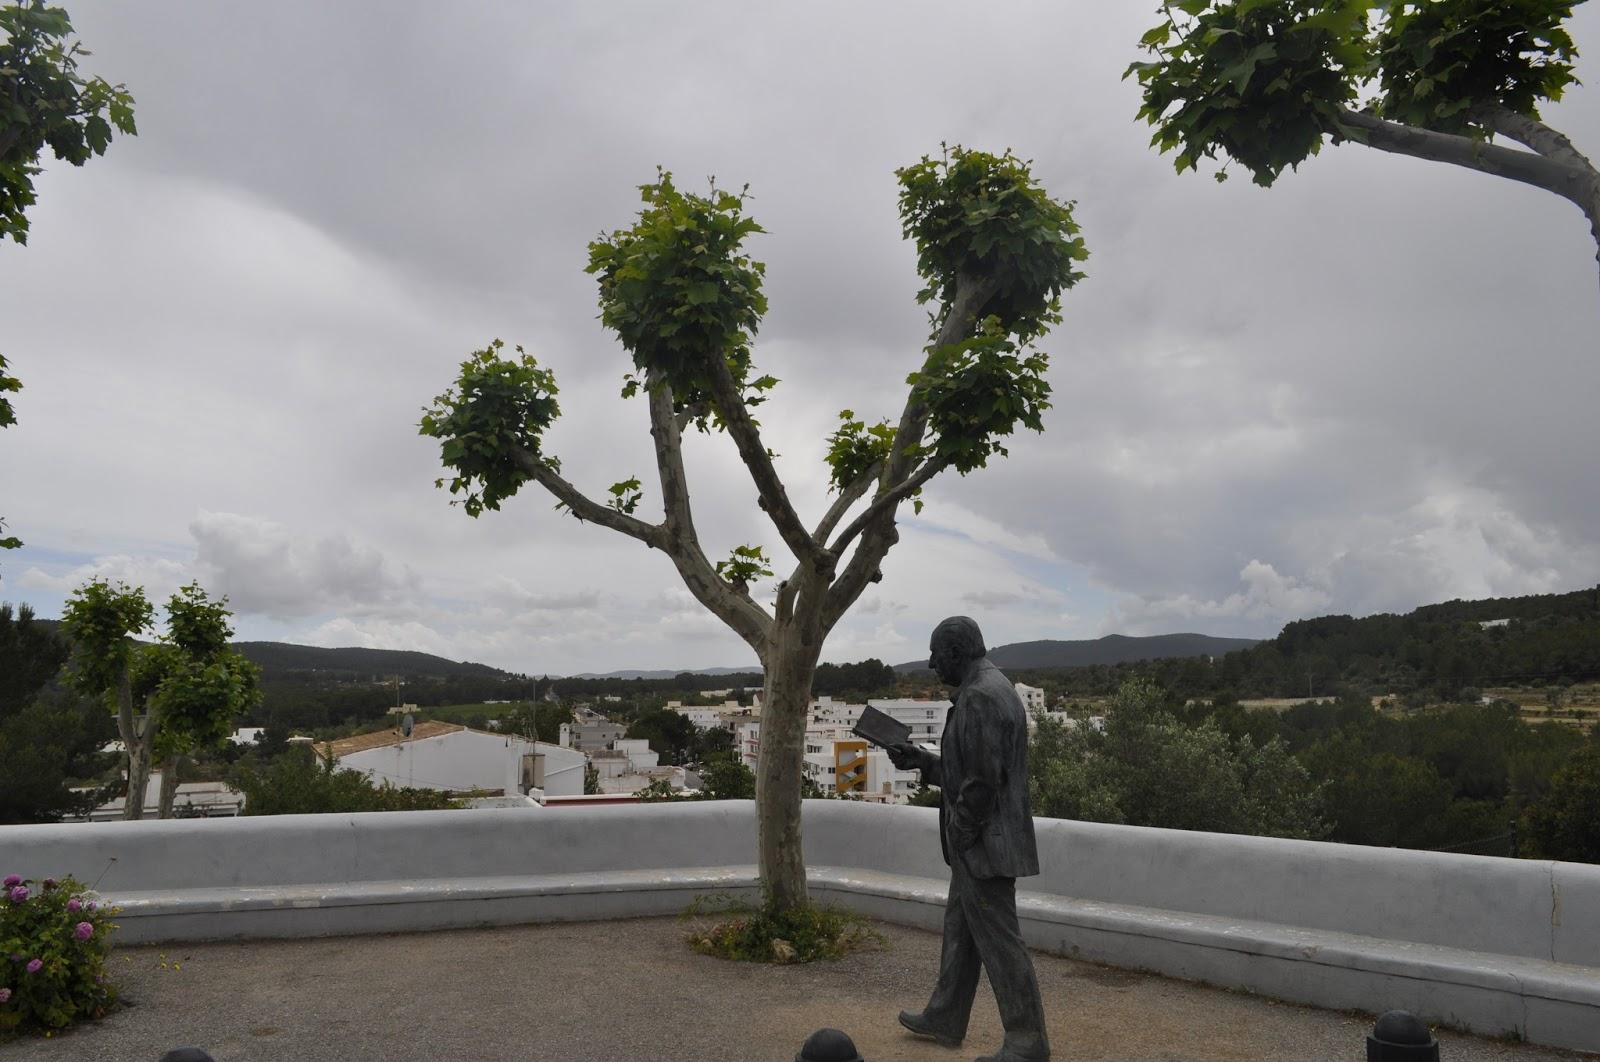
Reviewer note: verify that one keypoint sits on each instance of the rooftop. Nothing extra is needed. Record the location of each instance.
(427, 728)
(632, 990)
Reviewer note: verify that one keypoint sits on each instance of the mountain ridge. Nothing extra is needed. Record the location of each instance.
(1111, 649)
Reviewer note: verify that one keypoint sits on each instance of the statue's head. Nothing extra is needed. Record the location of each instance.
(956, 644)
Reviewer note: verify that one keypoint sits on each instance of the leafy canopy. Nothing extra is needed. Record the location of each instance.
(977, 392)
(45, 102)
(496, 407)
(855, 447)
(976, 215)
(972, 214)
(1440, 62)
(191, 676)
(102, 620)
(1264, 82)
(679, 291)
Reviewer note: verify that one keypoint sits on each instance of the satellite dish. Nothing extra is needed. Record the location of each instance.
(406, 724)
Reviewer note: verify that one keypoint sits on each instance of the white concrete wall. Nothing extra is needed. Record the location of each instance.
(1496, 945)
(468, 759)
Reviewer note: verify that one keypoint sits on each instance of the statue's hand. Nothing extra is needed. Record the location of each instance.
(905, 756)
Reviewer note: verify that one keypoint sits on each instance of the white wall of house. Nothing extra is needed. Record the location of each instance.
(1032, 697)
(469, 759)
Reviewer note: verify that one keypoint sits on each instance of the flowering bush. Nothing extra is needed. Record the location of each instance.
(53, 942)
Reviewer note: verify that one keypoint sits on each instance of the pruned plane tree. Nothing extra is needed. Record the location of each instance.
(683, 296)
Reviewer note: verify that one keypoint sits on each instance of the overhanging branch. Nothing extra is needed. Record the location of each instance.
(1563, 170)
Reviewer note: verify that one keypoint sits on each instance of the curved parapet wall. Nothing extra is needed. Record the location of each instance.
(1493, 945)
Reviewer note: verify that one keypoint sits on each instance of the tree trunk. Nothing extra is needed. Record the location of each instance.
(136, 739)
(785, 700)
(169, 786)
(138, 778)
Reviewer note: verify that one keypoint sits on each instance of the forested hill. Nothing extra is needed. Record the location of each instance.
(1436, 650)
(1112, 649)
(1497, 641)
(278, 659)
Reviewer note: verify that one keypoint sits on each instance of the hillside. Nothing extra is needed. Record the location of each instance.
(1112, 649)
(278, 659)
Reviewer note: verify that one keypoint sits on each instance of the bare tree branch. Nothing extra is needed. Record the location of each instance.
(666, 431)
(878, 535)
(847, 497)
(1534, 134)
(1577, 183)
(890, 498)
(774, 500)
(681, 541)
(582, 506)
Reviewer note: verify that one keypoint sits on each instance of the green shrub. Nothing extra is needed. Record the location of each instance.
(53, 943)
(762, 934)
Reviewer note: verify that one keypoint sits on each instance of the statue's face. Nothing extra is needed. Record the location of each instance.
(945, 659)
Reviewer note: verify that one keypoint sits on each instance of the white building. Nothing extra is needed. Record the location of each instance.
(456, 759)
(704, 718)
(838, 760)
(1032, 697)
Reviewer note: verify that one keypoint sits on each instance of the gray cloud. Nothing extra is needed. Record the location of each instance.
(1366, 388)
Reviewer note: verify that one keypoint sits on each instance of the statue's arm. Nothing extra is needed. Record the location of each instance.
(932, 767)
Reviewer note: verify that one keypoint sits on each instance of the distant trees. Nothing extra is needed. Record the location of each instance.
(171, 698)
(685, 300)
(1265, 82)
(298, 783)
(1566, 823)
(1148, 768)
(49, 739)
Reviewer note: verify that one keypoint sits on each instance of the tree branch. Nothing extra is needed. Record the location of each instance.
(847, 497)
(1532, 133)
(681, 541)
(582, 506)
(878, 535)
(893, 497)
(774, 500)
(666, 431)
(1576, 183)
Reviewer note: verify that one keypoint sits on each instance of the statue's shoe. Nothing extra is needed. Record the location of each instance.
(923, 1027)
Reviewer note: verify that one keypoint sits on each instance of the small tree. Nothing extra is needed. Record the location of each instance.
(170, 698)
(1265, 82)
(995, 253)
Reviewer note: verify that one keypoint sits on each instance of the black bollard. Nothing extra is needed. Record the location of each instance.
(828, 1045)
(1400, 1037)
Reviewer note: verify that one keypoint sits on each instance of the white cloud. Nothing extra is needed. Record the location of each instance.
(265, 568)
(1267, 595)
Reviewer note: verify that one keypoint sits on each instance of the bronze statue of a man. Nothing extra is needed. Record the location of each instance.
(986, 832)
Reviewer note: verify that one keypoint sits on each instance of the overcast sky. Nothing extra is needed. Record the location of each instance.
(1374, 386)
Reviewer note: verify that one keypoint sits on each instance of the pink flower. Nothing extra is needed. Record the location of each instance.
(13, 879)
(74, 905)
(5, 995)
(84, 931)
(19, 894)
(35, 965)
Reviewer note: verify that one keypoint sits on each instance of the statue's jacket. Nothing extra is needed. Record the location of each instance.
(982, 771)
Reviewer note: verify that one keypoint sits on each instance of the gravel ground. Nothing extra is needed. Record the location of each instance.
(631, 990)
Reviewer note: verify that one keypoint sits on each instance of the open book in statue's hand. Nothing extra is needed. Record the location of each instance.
(881, 729)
